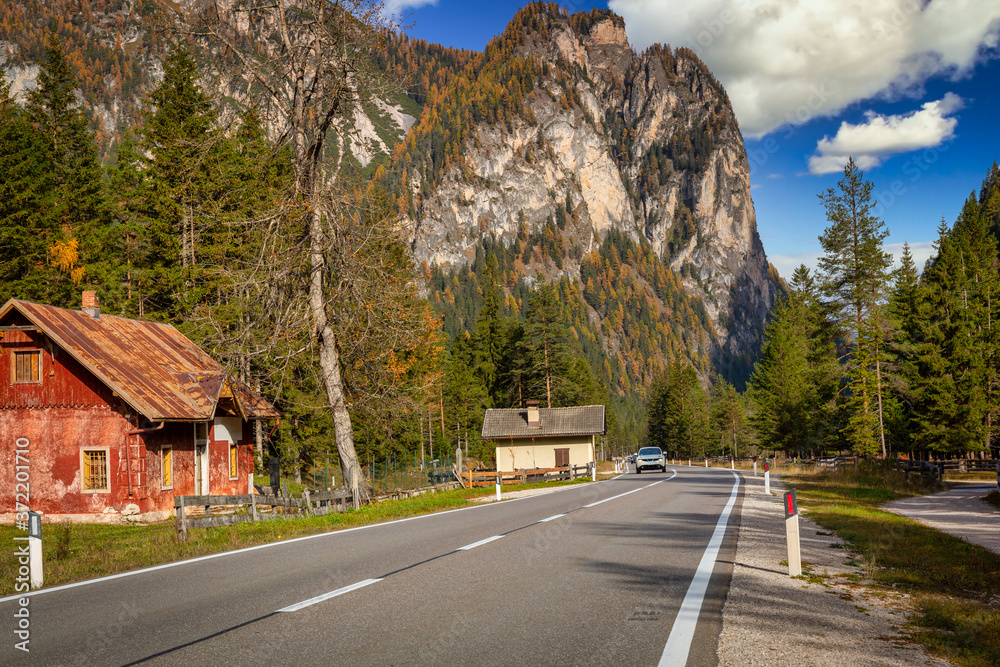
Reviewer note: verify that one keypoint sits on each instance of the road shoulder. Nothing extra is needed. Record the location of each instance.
(827, 618)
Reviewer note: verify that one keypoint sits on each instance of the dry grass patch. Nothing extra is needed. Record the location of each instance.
(953, 583)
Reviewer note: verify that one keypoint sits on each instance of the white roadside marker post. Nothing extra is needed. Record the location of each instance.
(706, 461)
(755, 466)
(35, 548)
(767, 478)
(732, 463)
(792, 534)
(593, 471)
(498, 484)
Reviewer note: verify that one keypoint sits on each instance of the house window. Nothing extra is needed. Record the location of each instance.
(234, 470)
(94, 466)
(167, 467)
(27, 366)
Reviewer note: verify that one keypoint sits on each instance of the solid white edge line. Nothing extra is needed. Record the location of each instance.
(551, 518)
(675, 653)
(327, 596)
(479, 543)
(222, 554)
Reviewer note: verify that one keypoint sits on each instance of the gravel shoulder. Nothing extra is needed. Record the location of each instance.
(829, 619)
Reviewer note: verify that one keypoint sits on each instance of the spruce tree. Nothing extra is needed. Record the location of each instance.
(26, 227)
(855, 270)
(779, 387)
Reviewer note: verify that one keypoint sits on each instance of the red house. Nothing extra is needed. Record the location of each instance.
(103, 417)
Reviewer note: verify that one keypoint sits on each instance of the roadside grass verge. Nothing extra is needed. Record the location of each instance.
(993, 498)
(77, 551)
(955, 585)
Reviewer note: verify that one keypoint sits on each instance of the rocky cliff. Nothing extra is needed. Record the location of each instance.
(646, 144)
(554, 138)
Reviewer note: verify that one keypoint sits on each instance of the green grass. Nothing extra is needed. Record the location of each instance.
(74, 552)
(954, 584)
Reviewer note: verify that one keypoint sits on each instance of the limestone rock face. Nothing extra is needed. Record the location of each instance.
(649, 146)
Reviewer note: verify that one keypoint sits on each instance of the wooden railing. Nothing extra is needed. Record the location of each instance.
(231, 510)
(473, 478)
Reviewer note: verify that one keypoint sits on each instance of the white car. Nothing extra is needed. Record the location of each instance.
(650, 457)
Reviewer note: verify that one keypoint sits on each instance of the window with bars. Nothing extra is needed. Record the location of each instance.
(166, 467)
(95, 470)
(234, 470)
(27, 366)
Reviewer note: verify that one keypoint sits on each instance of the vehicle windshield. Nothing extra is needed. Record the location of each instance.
(650, 451)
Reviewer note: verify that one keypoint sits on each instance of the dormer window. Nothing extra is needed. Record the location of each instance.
(27, 366)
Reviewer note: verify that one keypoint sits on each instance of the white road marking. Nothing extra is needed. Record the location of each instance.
(675, 653)
(223, 554)
(479, 543)
(327, 596)
(552, 518)
(622, 495)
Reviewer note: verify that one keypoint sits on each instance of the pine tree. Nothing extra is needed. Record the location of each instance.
(904, 319)
(779, 387)
(855, 271)
(26, 227)
(545, 346)
(64, 211)
(957, 377)
(677, 416)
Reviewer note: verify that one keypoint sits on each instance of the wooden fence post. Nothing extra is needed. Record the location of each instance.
(181, 520)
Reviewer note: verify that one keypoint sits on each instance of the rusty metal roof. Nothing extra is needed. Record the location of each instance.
(151, 366)
(513, 422)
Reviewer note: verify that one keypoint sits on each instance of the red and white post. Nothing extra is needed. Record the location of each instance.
(792, 534)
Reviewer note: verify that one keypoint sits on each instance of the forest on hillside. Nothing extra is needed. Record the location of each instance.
(180, 226)
(860, 357)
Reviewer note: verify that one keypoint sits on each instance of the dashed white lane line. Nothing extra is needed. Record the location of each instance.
(327, 596)
(682, 633)
(552, 518)
(479, 543)
(622, 495)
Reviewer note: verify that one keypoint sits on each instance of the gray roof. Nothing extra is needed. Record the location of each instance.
(513, 422)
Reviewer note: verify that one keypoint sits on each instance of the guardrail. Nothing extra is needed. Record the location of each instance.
(473, 478)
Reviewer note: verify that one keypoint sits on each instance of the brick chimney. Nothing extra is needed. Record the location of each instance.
(534, 420)
(90, 305)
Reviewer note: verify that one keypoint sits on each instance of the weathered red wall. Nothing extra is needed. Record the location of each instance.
(71, 409)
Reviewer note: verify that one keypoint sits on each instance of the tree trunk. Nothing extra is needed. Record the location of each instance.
(881, 425)
(329, 362)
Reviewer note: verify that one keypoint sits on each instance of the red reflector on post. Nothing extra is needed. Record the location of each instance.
(791, 504)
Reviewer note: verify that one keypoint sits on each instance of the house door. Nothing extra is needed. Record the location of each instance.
(201, 469)
(562, 457)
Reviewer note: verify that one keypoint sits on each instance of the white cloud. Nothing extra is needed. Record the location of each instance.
(399, 8)
(882, 136)
(787, 61)
(786, 264)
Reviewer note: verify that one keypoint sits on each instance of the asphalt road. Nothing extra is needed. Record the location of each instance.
(581, 576)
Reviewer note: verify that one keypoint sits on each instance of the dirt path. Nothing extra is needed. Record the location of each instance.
(958, 512)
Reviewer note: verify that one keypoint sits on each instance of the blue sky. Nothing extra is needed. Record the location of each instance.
(910, 88)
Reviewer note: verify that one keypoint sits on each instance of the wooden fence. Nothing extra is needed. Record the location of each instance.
(473, 478)
(936, 469)
(231, 510)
